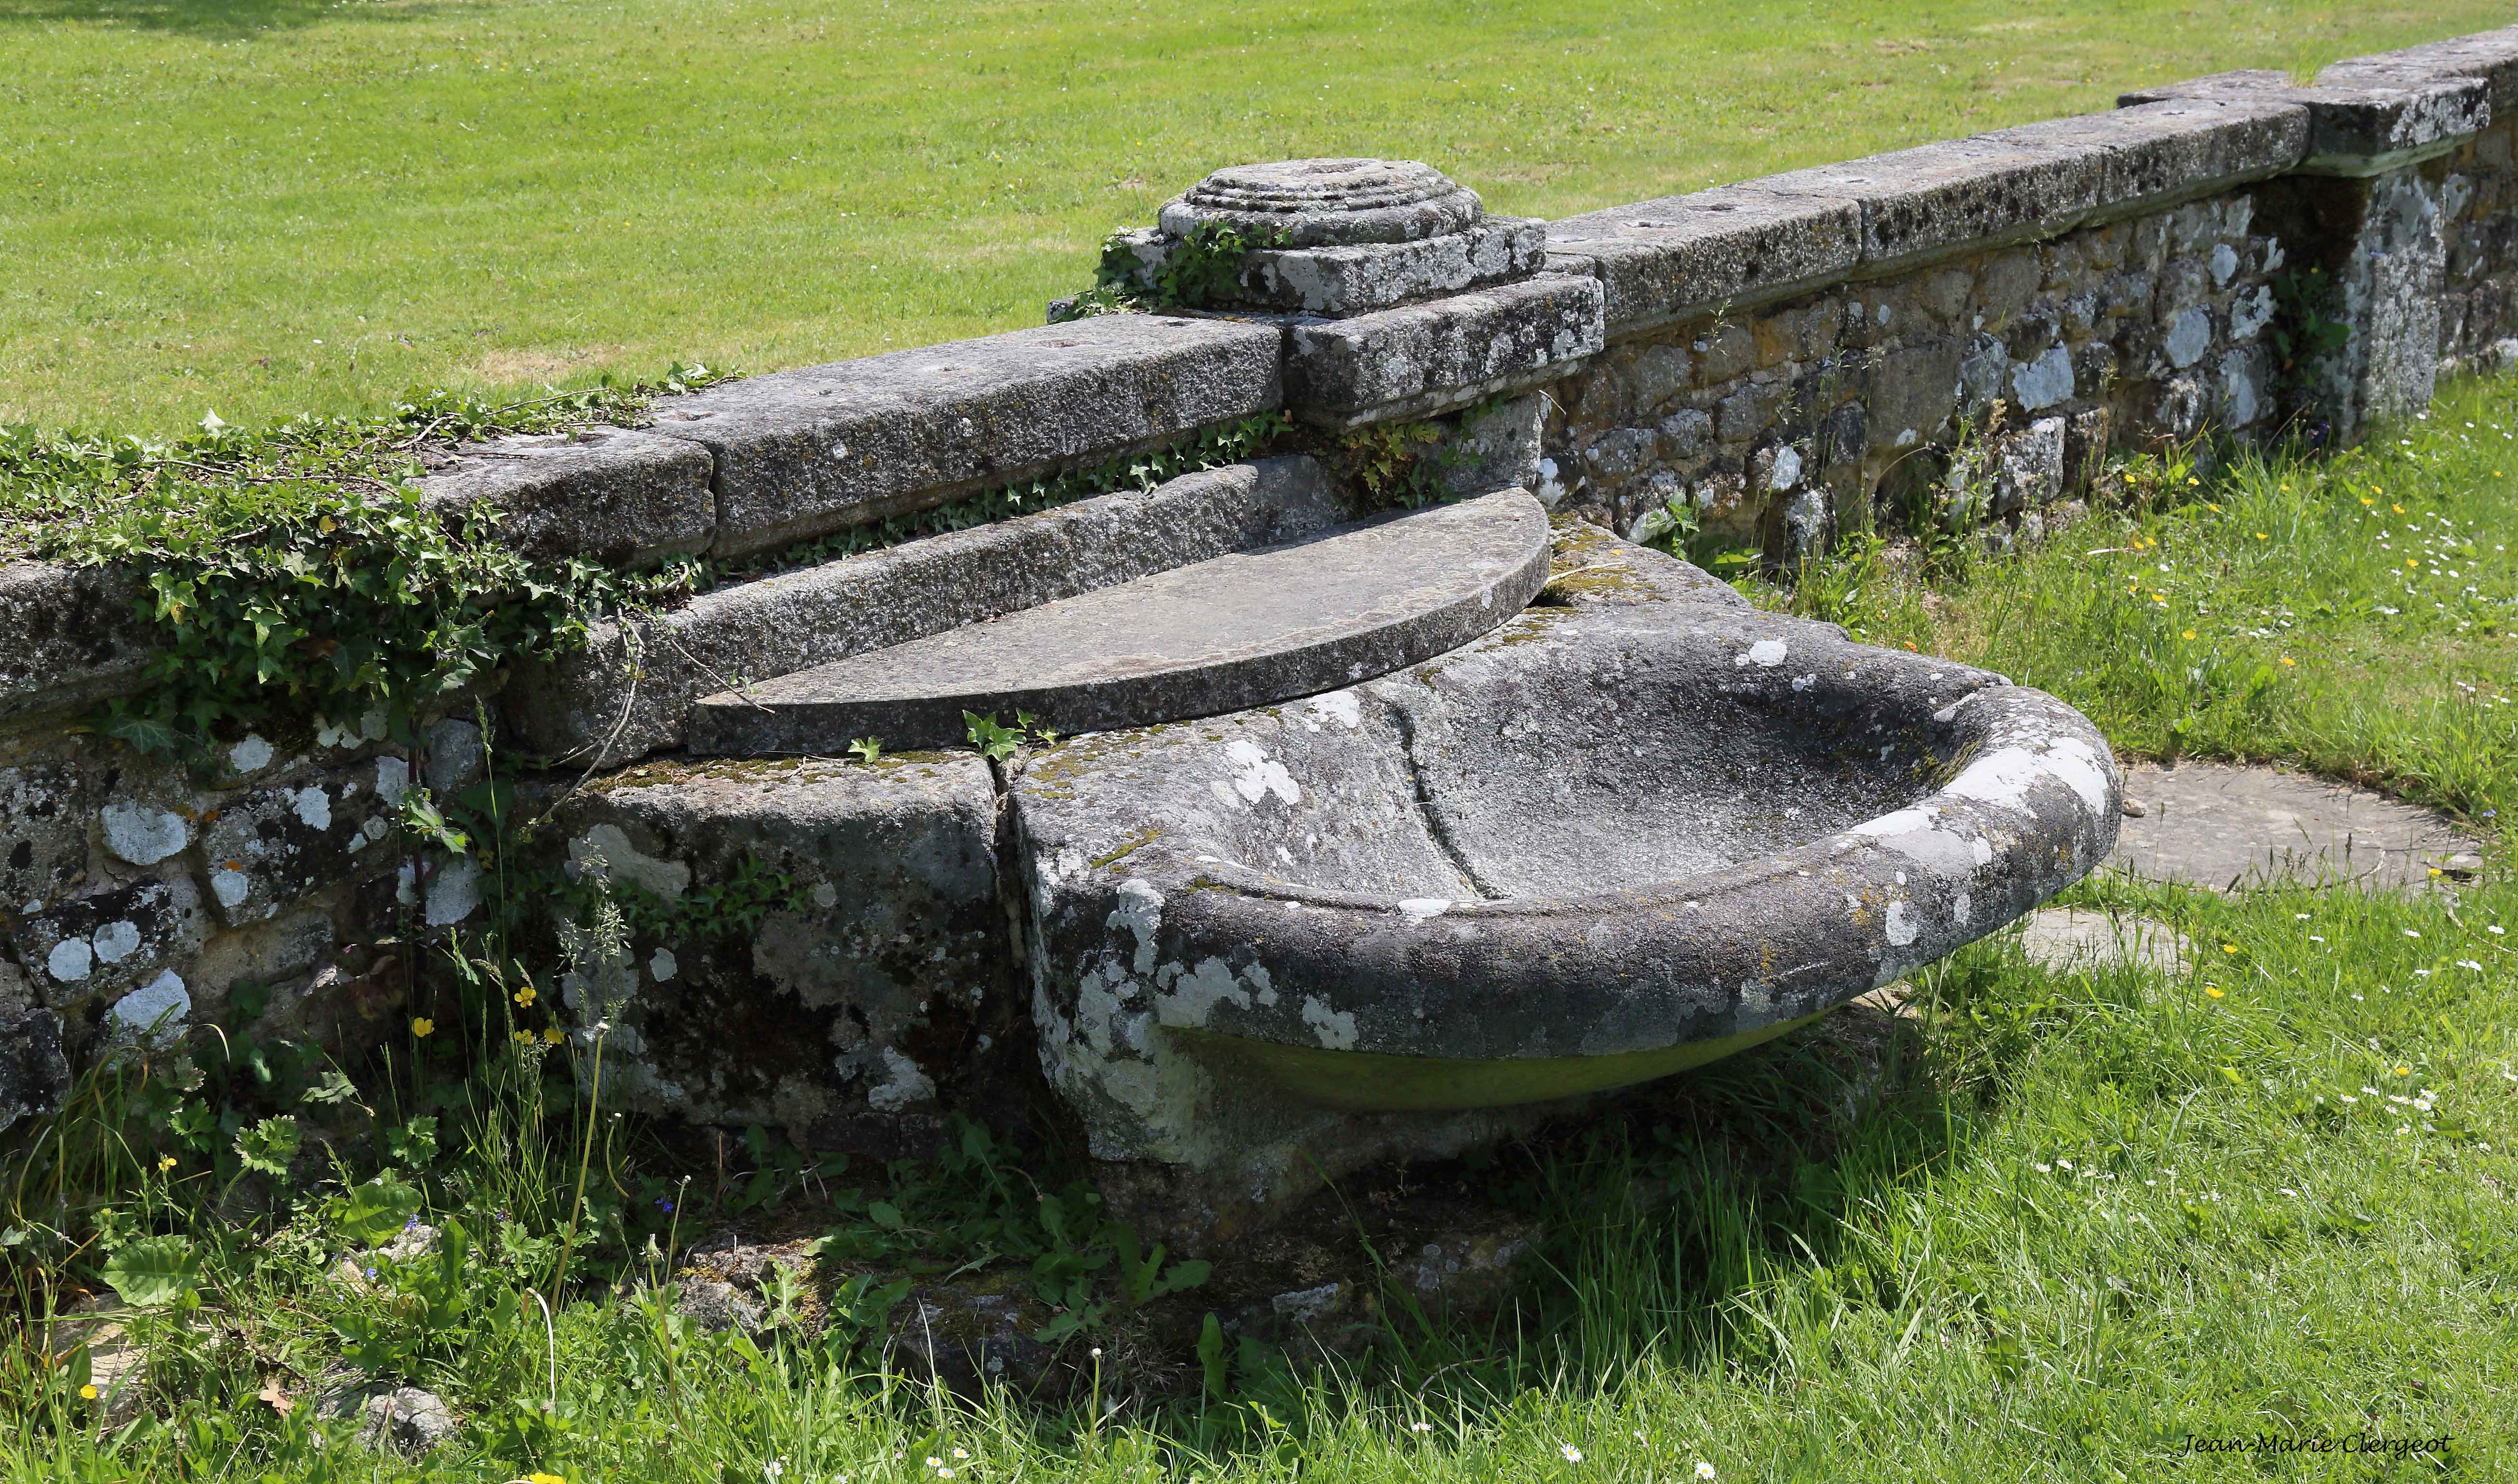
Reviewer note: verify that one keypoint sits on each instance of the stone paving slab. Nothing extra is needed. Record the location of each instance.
(2065, 939)
(2228, 828)
(1220, 636)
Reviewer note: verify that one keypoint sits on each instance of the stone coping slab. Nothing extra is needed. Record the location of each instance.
(2492, 56)
(801, 453)
(1926, 202)
(2228, 828)
(629, 692)
(2358, 129)
(1664, 260)
(611, 493)
(1445, 354)
(1234, 631)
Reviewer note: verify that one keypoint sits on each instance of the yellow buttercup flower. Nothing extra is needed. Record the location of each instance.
(553, 1034)
(525, 996)
(2190, 633)
(421, 1026)
(165, 1162)
(2399, 510)
(2287, 659)
(524, 1037)
(2213, 990)
(89, 1392)
(2229, 947)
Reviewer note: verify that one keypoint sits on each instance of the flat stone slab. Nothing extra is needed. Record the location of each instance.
(2228, 828)
(1224, 635)
(2065, 939)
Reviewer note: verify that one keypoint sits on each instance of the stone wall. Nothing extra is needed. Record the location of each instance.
(1790, 358)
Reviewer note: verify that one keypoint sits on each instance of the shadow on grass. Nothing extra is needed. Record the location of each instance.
(222, 19)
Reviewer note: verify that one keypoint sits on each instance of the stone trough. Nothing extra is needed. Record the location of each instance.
(1601, 845)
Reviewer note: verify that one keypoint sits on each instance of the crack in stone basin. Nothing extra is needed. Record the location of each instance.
(1595, 847)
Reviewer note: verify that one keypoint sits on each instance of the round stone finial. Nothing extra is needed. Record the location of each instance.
(1327, 203)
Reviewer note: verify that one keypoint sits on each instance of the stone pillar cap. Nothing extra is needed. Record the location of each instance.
(1327, 203)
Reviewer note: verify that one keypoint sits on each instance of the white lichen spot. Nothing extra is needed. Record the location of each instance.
(1196, 992)
(116, 940)
(143, 835)
(1419, 909)
(314, 808)
(1901, 925)
(1339, 706)
(1334, 1028)
(1765, 652)
(156, 1010)
(663, 964)
(607, 845)
(70, 960)
(1257, 775)
(393, 779)
(248, 755)
(232, 887)
(1960, 908)
(1982, 850)
(826, 896)
(1805, 682)
(1787, 471)
(454, 891)
(902, 1085)
(1140, 913)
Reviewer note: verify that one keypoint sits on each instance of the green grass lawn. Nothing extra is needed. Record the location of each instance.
(2091, 1216)
(261, 207)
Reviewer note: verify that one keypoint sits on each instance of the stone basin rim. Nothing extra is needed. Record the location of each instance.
(2034, 808)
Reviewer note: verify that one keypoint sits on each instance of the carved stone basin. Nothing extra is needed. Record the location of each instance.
(1603, 844)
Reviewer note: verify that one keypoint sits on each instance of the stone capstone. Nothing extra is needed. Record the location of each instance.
(75, 637)
(1325, 203)
(1218, 636)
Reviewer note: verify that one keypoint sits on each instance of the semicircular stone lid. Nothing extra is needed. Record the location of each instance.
(1327, 203)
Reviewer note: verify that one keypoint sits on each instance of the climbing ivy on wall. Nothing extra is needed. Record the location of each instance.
(296, 575)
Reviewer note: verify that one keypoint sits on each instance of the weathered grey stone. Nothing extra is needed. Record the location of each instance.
(34, 1071)
(1963, 194)
(2157, 152)
(45, 807)
(629, 691)
(607, 494)
(2225, 828)
(1354, 280)
(1327, 203)
(109, 941)
(717, 1306)
(874, 977)
(972, 1339)
(1432, 358)
(404, 1420)
(118, 1362)
(272, 846)
(1223, 635)
(76, 637)
(2492, 56)
(2353, 130)
(1592, 568)
(2067, 939)
(2028, 466)
(1684, 256)
(805, 452)
(1600, 845)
